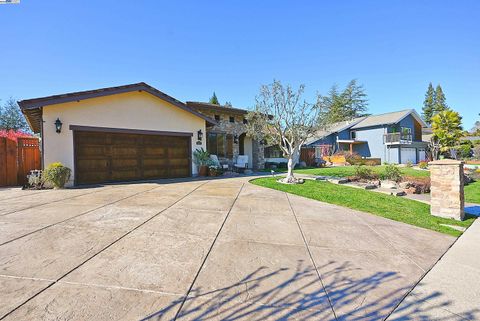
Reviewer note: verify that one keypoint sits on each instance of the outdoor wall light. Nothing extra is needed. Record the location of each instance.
(58, 126)
(235, 139)
(199, 135)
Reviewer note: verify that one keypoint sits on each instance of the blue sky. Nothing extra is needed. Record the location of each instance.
(189, 49)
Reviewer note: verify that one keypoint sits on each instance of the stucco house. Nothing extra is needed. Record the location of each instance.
(134, 132)
(394, 137)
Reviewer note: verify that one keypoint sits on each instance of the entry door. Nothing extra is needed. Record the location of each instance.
(108, 157)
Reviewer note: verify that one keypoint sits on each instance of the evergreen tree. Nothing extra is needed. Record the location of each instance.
(11, 118)
(345, 105)
(228, 104)
(214, 100)
(440, 101)
(429, 104)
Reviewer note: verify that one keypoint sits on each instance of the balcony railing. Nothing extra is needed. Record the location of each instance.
(397, 138)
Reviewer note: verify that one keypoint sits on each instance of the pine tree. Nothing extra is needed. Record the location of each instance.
(429, 104)
(11, 118)
(440, 101)
(214, 100)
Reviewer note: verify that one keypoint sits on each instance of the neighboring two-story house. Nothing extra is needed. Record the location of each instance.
(228, 138)
(394, 137)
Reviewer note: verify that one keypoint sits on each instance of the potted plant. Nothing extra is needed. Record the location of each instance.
(57, 174)
(214, 170)
(201, 158)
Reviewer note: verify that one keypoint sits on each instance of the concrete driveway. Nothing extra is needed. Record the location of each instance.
(202, 250)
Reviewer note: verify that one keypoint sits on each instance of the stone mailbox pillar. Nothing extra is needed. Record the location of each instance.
(447, 198)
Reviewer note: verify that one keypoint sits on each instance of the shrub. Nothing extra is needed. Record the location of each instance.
(201, 157)
(363, 172)
(353, 158)
(409, 164)
(57, 174)
(419, 184)
(392, 172)
(423, 164)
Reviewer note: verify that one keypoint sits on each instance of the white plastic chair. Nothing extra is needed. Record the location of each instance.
(216, 162)
(242, 162)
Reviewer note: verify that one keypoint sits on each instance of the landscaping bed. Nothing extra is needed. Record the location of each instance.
(391, 207)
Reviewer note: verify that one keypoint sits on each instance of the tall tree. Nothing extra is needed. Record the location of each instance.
(11, 118)
(429, 105)
(228, 104)
(447, 128)
(283, 118)
(214, 99)
(440, 101)
(339, 106)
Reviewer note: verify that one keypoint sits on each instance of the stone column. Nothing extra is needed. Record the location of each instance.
(447, 197)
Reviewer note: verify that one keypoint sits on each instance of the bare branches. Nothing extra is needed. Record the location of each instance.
(284, 118)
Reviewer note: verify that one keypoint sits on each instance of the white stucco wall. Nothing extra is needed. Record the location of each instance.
(135, 110)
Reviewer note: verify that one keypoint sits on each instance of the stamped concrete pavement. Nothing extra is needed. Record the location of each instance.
(202, 250)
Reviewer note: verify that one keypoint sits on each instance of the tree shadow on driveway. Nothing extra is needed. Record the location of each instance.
(256, 298)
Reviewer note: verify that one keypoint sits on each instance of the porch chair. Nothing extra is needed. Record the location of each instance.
(216, 162)
(242, 162)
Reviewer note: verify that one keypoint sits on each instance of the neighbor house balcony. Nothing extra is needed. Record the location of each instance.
(397, 138)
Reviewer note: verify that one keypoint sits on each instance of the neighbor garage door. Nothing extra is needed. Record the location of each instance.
(408, 155)
(108, 157)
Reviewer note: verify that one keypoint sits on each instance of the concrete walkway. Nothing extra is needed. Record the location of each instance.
(451, 290)
(202, 250)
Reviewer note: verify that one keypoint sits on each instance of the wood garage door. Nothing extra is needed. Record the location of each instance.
(109, 157)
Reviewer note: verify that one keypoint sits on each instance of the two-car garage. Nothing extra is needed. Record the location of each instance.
(113, 156)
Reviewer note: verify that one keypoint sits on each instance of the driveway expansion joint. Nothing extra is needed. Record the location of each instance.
(205, 258)
(70, 218)
(311, 257)
(103, 249)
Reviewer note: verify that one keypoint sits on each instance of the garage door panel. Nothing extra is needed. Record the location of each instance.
(102, 157)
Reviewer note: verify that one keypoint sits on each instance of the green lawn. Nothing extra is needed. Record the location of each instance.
(472, 192)
(392, 207)
(343, 171)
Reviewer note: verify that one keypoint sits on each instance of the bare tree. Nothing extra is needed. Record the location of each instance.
(283, 118)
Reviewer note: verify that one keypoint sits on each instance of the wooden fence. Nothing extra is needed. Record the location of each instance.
(307, 155)
(17, 159)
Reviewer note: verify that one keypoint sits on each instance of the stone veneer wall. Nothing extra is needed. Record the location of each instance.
(236, 128)
(447, 194)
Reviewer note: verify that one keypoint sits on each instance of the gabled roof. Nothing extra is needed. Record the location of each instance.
(334, 128)
(389, 119)
(32, 108)
(367, 121)
(199, 106)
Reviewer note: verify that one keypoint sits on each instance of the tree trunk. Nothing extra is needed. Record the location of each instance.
(290, 165)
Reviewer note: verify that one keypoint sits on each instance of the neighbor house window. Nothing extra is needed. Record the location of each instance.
(273, 152)
(406, 133)
(217, 117)
(220, 144)
(353, 135)
(232, 119)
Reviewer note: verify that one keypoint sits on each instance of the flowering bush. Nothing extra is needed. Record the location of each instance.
(13, 134)
(57, 174)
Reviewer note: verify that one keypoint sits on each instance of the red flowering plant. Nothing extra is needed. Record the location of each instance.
(14, 134)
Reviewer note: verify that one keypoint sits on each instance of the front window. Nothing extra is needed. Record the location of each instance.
(273, 152)
(232, 119)
(220, 144)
